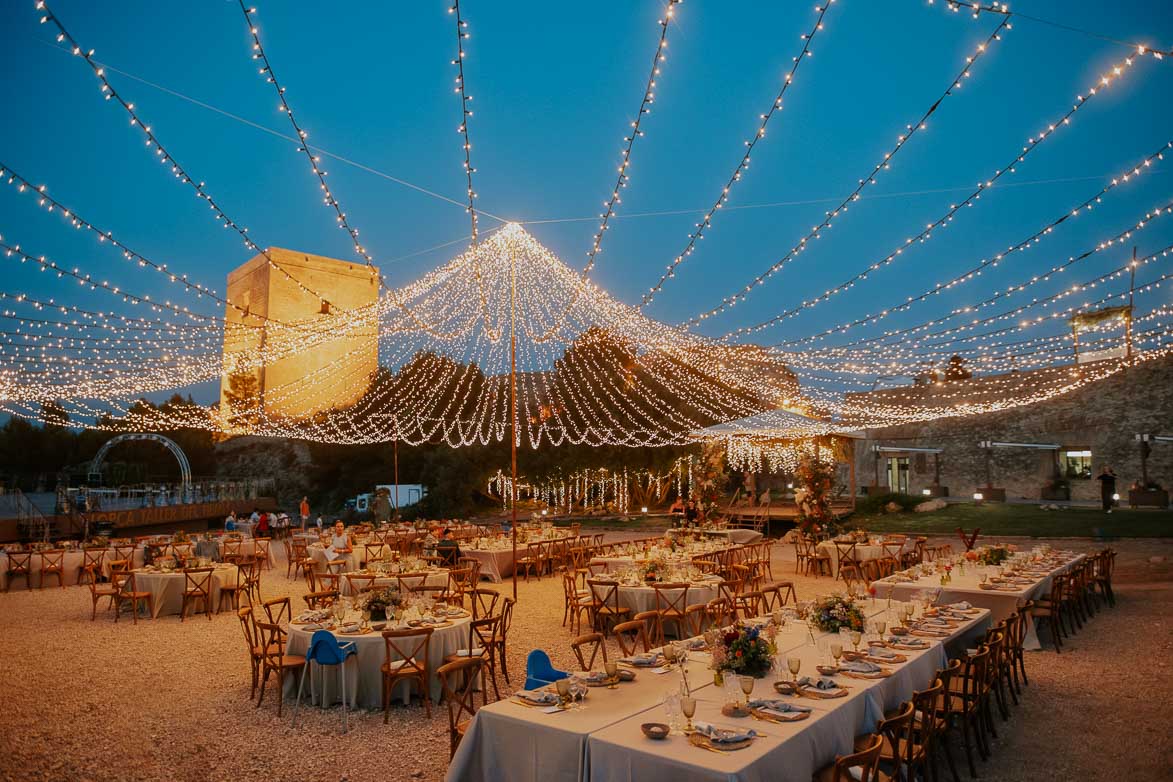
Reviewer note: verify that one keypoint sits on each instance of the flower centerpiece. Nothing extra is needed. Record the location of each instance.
(655, 569)
(180, 537)
(742, 649)
(836, 611)
(993, 555)
(379, 602)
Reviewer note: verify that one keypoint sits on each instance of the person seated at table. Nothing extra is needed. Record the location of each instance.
(692, 513)
(447, 548)
(340, 542)
(677, 507)
(230, 522)
(506, 526)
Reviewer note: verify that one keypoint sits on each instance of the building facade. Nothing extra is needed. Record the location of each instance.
(1093, 426)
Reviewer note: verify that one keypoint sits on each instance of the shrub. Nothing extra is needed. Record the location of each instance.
(875, 504)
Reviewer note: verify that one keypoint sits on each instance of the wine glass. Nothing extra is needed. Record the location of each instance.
(836, 651)
(671, 709)
(670, 653)
(747, 683)
(856, 637)
(612, 669)
(688, 708)
(795, 665)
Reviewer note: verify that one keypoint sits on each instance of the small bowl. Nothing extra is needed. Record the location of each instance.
(784, 687)
(655, 730)
(827, 670)
(898, 630)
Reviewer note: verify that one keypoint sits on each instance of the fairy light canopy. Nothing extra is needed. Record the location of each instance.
(591, 367)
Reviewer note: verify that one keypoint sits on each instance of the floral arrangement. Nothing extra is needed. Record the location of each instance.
(654, 569)
(180, 537)
(817, 477)
(378, 599)
(743, 650)
(835, 612)
(992, 555)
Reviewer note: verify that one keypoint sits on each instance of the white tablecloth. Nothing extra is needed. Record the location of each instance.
(967, 587)
(496, 564)
(167, 588)
(643, 598)
(322, 685)
(320, 556)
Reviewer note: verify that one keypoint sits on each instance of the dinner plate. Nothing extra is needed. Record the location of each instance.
(770, 715)
(703, 741)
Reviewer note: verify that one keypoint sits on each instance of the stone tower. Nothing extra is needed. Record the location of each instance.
(308, 380)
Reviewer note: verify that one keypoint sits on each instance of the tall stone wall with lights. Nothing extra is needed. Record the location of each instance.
(334, 371)
(1103, 417)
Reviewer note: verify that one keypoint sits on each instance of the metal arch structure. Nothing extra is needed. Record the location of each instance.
(166, 442)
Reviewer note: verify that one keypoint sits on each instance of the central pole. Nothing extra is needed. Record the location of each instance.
(1128, 323)
(396, 442)
(513, 408)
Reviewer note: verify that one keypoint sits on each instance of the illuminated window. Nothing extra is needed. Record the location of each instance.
(1076, 463)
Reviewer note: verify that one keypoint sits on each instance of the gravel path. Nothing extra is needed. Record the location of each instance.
(166, 700)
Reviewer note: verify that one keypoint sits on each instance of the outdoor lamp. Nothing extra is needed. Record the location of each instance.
(926, 492)
(643, 509)
(544, 511)
(977, 497)
(1116, 497)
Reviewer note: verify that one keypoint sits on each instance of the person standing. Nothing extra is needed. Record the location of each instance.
(1107, 480)
(305, 512)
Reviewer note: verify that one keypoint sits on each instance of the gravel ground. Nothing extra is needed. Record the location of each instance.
(166, 700)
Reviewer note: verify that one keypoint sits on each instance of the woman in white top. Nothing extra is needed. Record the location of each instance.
(340, 543)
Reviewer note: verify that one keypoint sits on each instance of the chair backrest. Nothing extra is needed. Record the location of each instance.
(604, 593)
(373, 552)
(927, 705)
(410, 646)
(474, 565)
(321, 599)
(125, 551)
(671, 597)
(118, 566)
(249, 627)
(593, 642)
(507, 604)
(408, 582)
(847, 552)
(325, 649)
(898, 729)
(461, 706)
(359, 583)
(54, 559)
(20, 561)
(627, 634)
(271, 639)
(859, 766)
(91, 558)
(278, 610)
(484, 602)
(198, 579)
(721, 612)
(946, 676)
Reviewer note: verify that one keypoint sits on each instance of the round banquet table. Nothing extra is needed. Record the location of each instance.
(167, 588)
(643, 598)
(434, 578)
(366, 688)
(318, 552)
(735, 535)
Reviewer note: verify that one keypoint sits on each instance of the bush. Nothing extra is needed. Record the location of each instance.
(876, 504)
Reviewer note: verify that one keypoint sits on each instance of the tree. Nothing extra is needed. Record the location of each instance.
(957, 370)
(243, 396)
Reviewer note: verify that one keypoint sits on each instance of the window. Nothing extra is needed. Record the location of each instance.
(1076, 463)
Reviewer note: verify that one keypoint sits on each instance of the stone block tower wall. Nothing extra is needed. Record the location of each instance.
(329, 374)
(1102, 417)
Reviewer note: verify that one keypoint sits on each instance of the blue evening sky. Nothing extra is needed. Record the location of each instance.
(555, 87)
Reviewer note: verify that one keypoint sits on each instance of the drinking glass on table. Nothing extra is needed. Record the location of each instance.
(856, 637)
(670, 653)
(747, 683)
(836, 651)
(672, 709)
(563, 687)
(795, 665)
(612, 669)
(688, 708)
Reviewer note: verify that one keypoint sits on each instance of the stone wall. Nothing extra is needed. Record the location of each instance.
(1103, 416)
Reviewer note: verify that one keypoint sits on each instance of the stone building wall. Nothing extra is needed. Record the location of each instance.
(343, 364)
(1103, 417)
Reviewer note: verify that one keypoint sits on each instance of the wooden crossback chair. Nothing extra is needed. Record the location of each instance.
(53, 564)
(592, 641)
(197, 588)
(406, 659)
(458, 680)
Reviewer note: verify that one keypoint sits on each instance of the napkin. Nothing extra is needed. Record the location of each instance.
(352, 627)
(537, 698)
(822, 684)
(881, 652)
(311, 628)
(772, 704)
(645, 659)
(696, 643)
(723, 735)
(962, 606)
(906, 641)
(859, 666)
(595, 676)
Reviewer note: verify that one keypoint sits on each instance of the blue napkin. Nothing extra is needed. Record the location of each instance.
(859, 666)
(723, 735)
(776, 705)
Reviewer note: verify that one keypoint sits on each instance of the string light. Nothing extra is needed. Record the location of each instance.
(743, 163)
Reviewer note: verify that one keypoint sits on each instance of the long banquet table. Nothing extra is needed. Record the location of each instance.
(603, 743)
(1003, 601)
